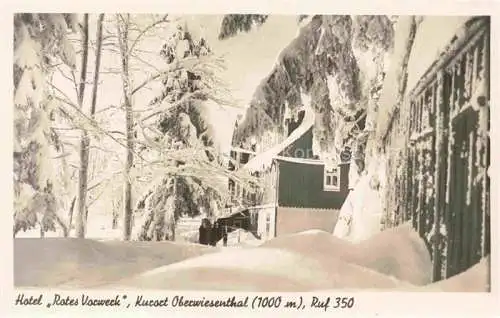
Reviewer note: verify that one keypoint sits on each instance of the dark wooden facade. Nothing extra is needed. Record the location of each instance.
(443, 187)
(301, 185)
(301, 148)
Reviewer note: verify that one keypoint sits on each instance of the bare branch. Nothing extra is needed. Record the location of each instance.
(147, 29)
(94, 125)
(135, 56)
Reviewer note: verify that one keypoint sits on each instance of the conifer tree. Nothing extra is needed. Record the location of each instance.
(183, 126)
(40, 41)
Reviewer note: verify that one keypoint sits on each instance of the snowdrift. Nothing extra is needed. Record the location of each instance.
(259, 269)
(83, 263)
(475, 279)
(314, 260)
(311, 260)
(397, 252)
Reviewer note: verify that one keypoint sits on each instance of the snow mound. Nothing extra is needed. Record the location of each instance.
(314, 260)
(312, 243)
(84, 263)
(397, 252)
(475, 279)
(260, 269)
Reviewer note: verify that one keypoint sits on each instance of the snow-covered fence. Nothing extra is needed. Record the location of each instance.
(440, 169)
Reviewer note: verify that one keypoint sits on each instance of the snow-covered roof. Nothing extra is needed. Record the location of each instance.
(235, 213)
(264, 160)
(300, 160)
(238, 149)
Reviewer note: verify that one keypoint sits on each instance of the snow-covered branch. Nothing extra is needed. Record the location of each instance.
(150, 27)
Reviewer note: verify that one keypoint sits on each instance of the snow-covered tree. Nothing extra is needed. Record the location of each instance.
(192, 185)
(339, 61)
(232, 24)
(40, 43)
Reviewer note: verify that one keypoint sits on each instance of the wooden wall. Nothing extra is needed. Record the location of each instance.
(440, 175)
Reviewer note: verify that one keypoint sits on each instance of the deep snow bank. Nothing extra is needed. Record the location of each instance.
(261, 269)
(475, 279)
(83, 263)
(398, 252)
(395, 259)
(311, 260)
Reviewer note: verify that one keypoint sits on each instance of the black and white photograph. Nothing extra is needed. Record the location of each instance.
(241, 152)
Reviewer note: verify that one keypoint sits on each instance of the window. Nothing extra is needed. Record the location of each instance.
(332, 179)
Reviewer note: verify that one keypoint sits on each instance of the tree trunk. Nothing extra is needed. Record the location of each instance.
(82, 178)
(85, 142)
(70, 213)
(123, 25)
(63, 226)
(114, 223)
(98, 54)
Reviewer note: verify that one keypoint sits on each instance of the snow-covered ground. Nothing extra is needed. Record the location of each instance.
(84, 263)
(98, 228)
(313, 260)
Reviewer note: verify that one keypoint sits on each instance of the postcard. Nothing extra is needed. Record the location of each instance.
(251, 163)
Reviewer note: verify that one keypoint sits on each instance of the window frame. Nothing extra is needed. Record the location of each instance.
(332, 173)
